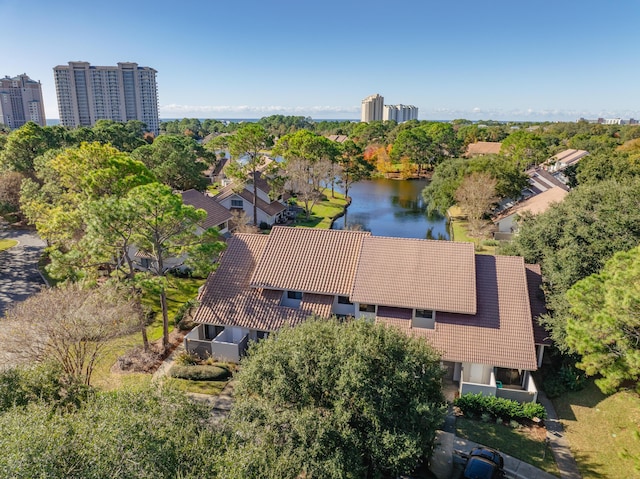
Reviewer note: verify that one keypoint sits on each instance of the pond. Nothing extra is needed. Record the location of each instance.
(392, 208)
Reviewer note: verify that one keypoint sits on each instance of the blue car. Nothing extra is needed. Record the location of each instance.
(484, 463)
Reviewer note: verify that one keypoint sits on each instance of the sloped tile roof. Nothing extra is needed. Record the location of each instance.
(483, 148)
(566, 158)
(320, 304)
(270, 209)
(500, 334)
(309, 260)
(413, 273)
(228, 300)
(216, 213)
(535, 204)
(538, 306)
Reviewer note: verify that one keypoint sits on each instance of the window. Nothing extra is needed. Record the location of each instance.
(294, 294)
(367, 308)
(237, 204)
(424, 313)
(344, 300)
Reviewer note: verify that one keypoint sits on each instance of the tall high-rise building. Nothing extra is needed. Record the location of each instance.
(124, 92)
(372, 108)
(400, 113)
(21, 101)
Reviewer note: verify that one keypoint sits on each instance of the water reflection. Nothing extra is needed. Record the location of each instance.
(392, 208)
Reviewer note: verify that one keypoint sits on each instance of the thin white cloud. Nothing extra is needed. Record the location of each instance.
(185, 110)
(328, 111)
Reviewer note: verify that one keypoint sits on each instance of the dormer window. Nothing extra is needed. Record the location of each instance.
(367, 308)
(424, 313)
(424, 318)
(291, 299)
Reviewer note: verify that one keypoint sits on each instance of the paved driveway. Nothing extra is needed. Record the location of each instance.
(19, 277)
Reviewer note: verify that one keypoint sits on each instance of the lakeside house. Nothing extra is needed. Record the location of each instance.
(241, 200)
(480, 148)
(507, 221)
(478, 311)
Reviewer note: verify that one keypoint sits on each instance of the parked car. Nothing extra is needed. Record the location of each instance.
(484, 463)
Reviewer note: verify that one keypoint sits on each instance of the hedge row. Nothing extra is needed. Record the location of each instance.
(505, 409)
(199, 373)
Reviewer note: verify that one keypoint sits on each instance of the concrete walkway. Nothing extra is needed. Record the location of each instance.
(558, 443)
(443, 463)
(19, 274)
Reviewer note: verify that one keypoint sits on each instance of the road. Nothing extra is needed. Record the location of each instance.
(19, 276)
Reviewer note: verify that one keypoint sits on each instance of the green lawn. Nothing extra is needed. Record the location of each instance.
(7, 243)
(180, 291)
(323, 213)
(458, 230)
(202, 387)
(530, 448)
(599, 428)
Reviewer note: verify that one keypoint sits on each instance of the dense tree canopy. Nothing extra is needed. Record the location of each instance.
(126, 434)
(247, 147)
(604, 325)
(335, 400)
(177, 161)
(309, 162)
(574, 239)
(439, 194)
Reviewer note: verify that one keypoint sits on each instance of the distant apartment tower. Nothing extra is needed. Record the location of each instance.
(400, 113)
(21, 101)
(372, 107)
(124, 92)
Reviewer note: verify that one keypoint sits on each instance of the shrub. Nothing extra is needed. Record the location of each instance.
(185, 358)
(264, 225)
(491, 242)
(180, 314)
(200, 373)
(498, 408)
(567, 378)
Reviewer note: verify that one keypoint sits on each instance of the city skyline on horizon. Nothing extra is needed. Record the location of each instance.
(508, 62)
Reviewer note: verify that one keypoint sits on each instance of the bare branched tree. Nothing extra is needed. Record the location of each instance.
(242, 223)
(68, 325)
(475, 196)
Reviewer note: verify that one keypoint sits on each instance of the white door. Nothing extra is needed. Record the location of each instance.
(476, 373)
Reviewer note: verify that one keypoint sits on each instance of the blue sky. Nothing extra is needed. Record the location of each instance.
(544, 60)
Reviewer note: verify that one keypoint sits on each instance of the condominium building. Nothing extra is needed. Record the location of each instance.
(400, 113)
(21, 101)
(372, 107)
(124, 92)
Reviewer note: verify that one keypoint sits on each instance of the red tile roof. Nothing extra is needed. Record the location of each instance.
(228, 300)
(309, 260)
(500, 334)
(324, 263)
(216, 213)
(483, 148)
(271, 209)
(422, 274)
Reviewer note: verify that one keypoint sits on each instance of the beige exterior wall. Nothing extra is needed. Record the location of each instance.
(123, 92)
(372, 107)
(21, 101)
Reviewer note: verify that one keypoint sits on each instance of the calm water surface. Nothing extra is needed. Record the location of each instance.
(392, 208)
